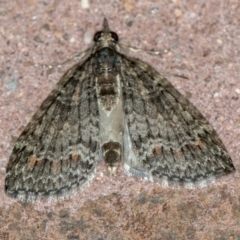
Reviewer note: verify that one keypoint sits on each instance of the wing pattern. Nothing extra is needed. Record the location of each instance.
(58, 150)
(166, 137)
(122, 109)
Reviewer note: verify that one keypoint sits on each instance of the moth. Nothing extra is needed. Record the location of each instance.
(114, 107)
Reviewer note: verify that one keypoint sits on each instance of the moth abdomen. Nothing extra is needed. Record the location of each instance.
(112, 152)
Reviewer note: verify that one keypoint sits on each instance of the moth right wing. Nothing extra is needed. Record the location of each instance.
(166, 138)
(58, 151)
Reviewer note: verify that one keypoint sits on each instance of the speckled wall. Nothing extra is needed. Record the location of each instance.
(204, 37)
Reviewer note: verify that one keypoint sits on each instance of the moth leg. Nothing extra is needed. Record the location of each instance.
(78, 56)
(151, 52)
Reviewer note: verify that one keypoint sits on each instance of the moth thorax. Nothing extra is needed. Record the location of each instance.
(112, 156)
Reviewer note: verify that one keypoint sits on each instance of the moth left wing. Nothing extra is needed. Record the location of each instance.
(58, 150)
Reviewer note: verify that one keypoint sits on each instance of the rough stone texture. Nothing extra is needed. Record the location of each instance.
(205, 34)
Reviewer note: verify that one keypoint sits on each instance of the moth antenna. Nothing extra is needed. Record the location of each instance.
(105, 25)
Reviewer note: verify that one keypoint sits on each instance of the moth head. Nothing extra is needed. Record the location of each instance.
(105, 37)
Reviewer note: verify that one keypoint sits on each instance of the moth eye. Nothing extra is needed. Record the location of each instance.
(97, 36)
(114, 36)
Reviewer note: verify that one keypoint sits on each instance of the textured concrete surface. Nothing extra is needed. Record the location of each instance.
(206, 35)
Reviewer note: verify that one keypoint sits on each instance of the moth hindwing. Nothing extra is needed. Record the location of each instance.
(119, 108)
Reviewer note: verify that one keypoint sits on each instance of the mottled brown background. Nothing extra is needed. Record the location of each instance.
(206, 35)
